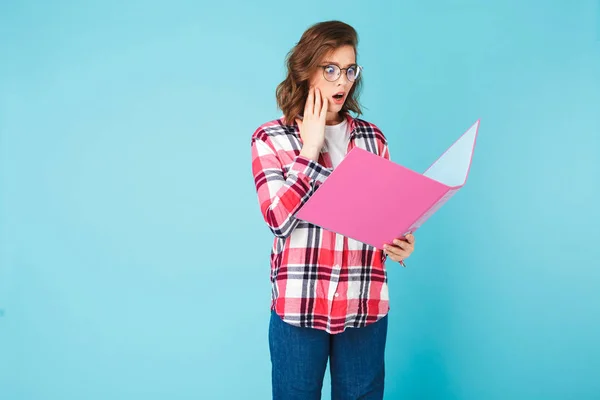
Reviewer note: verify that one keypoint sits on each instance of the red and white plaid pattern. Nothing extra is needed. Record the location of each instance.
(319, 279)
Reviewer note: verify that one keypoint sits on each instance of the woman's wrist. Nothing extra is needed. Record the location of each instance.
(310, 152)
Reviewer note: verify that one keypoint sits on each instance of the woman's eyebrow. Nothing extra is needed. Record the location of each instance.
(334, 63)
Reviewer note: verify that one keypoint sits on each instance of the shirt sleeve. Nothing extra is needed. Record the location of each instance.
(281, 196)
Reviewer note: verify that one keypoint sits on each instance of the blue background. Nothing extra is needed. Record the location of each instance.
(134, 262)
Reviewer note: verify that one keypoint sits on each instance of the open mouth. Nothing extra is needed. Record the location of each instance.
(338, 96)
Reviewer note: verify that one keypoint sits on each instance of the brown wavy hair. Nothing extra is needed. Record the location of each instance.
(304, 58)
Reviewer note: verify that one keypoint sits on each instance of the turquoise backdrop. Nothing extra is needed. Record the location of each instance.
(134, 263)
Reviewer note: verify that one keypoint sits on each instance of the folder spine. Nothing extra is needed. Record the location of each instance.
(436, 205)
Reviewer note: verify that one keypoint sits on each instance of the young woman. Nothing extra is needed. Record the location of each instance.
(329, 292)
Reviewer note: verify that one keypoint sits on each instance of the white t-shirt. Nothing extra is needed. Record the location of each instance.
(337, 138)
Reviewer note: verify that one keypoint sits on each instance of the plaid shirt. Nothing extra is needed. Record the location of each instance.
(319, 279)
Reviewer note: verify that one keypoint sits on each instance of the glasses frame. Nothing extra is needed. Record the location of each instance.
(359, 70)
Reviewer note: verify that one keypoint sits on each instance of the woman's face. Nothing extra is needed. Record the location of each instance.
(335, 92)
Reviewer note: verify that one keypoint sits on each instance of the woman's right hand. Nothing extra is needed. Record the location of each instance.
(312, 127)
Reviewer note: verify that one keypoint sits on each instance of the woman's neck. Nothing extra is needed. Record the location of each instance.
(333, 119)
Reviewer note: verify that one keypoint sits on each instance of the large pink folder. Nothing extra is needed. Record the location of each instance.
(374, 200)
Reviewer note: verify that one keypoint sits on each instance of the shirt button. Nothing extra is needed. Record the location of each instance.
(337, 294)
(336, 266)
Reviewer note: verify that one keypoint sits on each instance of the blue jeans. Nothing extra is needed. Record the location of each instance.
(299, 359)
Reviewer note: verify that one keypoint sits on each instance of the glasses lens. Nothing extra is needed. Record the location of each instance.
(332, 72)
(353, 73)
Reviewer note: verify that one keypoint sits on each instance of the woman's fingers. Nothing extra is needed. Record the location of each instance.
(397, 258)
(394, 251)
(402, 244)
(318, 101)
(324, 108)
(309, 107)
(316, 104)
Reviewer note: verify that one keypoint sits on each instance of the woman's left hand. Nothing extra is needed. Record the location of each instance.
(401, 249)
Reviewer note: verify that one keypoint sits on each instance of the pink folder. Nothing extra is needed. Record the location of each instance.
(374, 200)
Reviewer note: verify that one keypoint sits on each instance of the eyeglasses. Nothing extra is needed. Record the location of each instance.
(332, 72)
